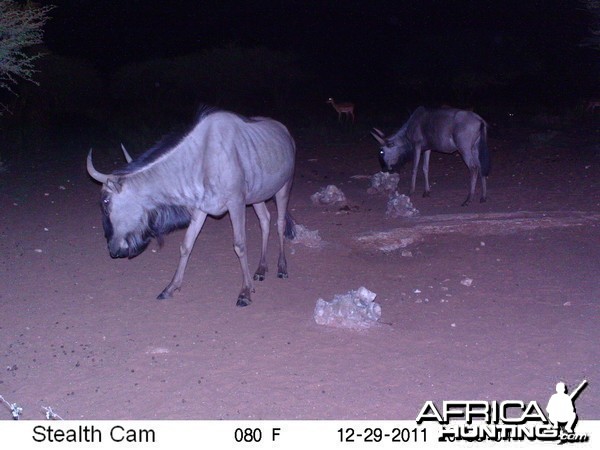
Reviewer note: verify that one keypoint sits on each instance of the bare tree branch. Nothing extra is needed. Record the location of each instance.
(21, 27)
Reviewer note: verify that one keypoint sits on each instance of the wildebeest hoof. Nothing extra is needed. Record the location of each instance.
(426, 194)
(465, 203)
(282, 275)
(243, 301)
(482, 200)
(164, 296)
(259, 277)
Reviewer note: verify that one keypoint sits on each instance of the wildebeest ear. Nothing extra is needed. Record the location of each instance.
(114, 185)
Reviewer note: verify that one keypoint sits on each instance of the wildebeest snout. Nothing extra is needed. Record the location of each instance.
(383, 164)
(118, 252)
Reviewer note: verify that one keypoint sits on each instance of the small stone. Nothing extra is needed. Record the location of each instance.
(328, 195)
(399, 205)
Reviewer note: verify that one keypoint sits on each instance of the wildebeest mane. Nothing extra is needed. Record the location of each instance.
(165, 144)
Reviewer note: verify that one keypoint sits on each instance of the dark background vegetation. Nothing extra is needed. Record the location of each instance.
(130, 71)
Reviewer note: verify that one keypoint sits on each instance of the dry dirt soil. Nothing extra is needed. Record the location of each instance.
(84, 334)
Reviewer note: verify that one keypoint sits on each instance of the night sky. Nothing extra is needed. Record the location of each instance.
(356, 48)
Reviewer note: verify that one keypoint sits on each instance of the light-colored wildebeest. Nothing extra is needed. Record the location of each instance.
(222, 164)
(445, 130)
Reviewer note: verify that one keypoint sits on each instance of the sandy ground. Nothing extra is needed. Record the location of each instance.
(83, 333)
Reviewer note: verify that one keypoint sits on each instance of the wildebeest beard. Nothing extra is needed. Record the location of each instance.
(137, 243)
(161, 221)
(166, 218)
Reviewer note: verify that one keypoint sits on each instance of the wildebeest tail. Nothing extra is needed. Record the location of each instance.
(290, 227)
(484, 153)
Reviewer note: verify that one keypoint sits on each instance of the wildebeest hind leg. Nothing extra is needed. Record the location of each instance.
(281, 199)
(186, 248)
(483, 189)
(237, 214)
(474, 174)
(264, 217)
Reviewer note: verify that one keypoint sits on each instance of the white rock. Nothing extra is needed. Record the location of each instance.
(399, 205)
(354, 310)
(466, 281)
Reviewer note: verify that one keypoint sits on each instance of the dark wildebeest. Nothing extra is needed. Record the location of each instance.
(222, 164)
(445, 130)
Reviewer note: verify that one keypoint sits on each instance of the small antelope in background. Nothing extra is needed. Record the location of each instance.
(342, 108)
(592, 104)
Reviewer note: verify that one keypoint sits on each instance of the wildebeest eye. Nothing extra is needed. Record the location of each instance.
(104, 203)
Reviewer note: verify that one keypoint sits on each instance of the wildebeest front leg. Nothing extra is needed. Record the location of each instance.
(186, 248)
(413, 181)
(237, 214)
(426, 156)
(264, 217)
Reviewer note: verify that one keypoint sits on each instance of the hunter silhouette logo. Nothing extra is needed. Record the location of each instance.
(561, 407)
(508, 420)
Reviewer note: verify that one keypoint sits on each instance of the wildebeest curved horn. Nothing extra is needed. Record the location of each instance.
(128, 158)
(100, 177)
(379, 132)
(378, 137)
